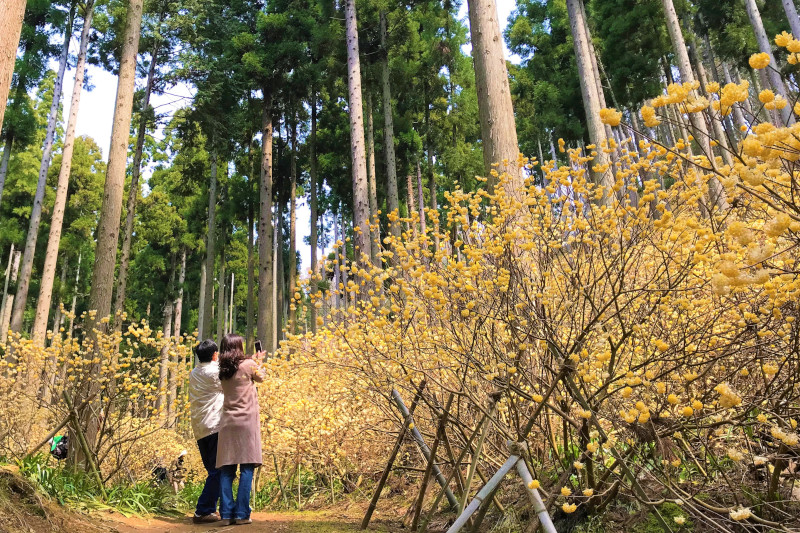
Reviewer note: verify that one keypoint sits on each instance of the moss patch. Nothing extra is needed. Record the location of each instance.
(669, 512)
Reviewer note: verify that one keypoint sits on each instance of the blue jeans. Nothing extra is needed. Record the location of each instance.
(239, 509)
(207, 502)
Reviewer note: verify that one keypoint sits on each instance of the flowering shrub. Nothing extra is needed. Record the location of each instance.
(139, 423)
(642, 340)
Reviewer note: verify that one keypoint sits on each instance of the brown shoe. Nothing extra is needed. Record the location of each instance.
(243, 521)
(206, 519)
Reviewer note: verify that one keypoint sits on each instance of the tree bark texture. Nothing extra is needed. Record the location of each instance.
(108, 227)
(4, 165)
(179, 298)
(498, 128)
(293, 233)
(8, 299)
(163, 367)
(592, 102)
(765, 45)
(265, 234)
(211, 251)
(314, 212)
(791, 15)
(392, 195)
(52, 116)
(251, 272)
(716, 192)
(375, 234)
(201, 305)
(134, 189)
(431, 176)
(102, 284)
(48, 275)
(280, 278)
(11, 15)
(221, 290)
(421, 200)
(357, 149)
(719, 132)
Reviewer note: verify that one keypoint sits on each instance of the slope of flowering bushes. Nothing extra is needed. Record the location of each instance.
(122, 368)
(643, 341)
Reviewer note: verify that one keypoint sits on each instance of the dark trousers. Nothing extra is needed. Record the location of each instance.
(207, 502)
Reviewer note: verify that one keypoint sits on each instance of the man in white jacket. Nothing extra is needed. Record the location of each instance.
(205, 395)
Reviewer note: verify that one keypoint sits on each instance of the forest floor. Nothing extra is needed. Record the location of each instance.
(329, 521)
(23, 509)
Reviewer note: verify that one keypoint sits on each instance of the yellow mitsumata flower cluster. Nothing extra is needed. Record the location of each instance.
(759, 61)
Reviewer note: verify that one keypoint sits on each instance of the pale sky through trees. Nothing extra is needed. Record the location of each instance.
(97, 108)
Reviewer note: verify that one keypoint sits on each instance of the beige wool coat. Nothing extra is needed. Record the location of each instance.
(240, 424)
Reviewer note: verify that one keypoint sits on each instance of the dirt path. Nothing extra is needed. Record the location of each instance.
(306, 522)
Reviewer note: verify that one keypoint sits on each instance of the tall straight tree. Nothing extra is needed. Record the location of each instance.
(292, 325)
(102, 284)
(134, 188)
(791, 15)
(176, 333)
(20, 124)
(764, 44)
(592, 100)
(392, 195)
(314, 209)
(251, 265)
(162, 406)
(716, 192)
(21, 299)
(109, 224)
(266, 264)
(373, 193)
(205, 327)
(357, 149)
(11, 14)
(54, 240)
(498, 129)
(52, 117)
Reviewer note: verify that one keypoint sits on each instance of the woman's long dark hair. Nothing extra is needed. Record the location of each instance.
(231, 353)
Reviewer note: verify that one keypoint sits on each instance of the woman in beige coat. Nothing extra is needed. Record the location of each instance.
(239, 428)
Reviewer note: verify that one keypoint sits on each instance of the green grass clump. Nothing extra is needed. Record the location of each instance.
(76, 488)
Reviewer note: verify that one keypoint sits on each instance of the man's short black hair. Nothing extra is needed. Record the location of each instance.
(205, 350)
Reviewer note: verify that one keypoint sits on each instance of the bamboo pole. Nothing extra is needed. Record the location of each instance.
(484, 493)
(486, 422)
(387, 470)
(457, 462)
(431, 463)
(536, 499)
(426, 452)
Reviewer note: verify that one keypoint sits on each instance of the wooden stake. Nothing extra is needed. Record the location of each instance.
(457, 462)
(398, 443)
(426, 452)
(431, 463)
(84, 445)
(485, 423)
